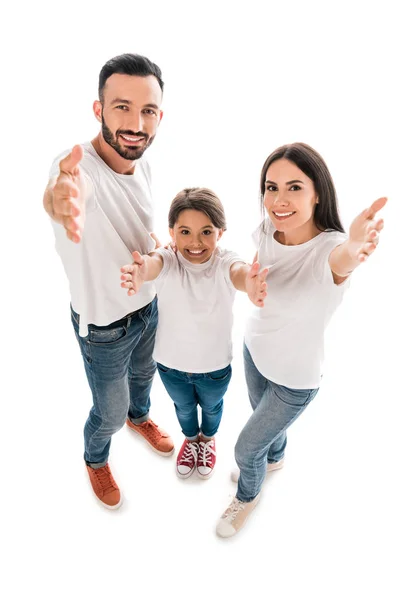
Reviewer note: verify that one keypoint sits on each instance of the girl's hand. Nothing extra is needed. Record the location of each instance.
(133, 276)
(364, 232)
(256, 286)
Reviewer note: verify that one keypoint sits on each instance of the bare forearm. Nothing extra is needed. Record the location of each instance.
(154, 263)
(238, 274)
(342, 260)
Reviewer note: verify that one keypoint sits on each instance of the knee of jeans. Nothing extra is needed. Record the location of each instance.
(239, 451)
(212, 410)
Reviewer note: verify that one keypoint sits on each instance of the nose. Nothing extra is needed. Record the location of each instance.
(281, 199)
(135, 121)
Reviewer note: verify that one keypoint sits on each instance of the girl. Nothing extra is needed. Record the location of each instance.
(309, 261)
(195, 287)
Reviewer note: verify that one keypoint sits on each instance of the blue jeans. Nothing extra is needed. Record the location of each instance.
(263, 438)
(120, 370)
(188, 390)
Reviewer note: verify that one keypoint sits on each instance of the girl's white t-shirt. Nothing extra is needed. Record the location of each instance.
(195, 315)
(286, 337)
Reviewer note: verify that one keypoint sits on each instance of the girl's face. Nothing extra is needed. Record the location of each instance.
(290, 200)
(195, 236)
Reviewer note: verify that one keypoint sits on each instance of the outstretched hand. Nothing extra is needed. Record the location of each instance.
(364, 231)
(64, 203)
(133, 276)
(256, 286)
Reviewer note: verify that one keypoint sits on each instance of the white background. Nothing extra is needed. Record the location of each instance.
(240, 79)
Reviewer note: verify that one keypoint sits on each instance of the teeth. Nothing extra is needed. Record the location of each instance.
(131, 139)
(283, 214)
(195, 251)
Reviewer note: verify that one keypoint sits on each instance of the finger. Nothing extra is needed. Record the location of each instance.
(375, 207)
(137, 257)
(126, 277)
(157, 241)
(74, 236)
(254, 269)
(127, 269)
(72, 160)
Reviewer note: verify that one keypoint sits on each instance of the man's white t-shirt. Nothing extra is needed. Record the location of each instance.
(119, 217)
(195, 312)
(286, 337)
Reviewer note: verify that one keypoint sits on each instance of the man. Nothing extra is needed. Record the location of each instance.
(100, 194)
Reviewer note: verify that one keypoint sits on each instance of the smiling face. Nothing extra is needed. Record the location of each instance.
(129, 113)
(195, 236)
(290, 201)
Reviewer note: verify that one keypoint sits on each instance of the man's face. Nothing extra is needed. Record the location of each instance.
(130, 113)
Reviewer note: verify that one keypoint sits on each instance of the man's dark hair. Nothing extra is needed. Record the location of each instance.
(129, 64)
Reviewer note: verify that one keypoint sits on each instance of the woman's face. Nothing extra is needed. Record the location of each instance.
(195, 236)
(290, 200)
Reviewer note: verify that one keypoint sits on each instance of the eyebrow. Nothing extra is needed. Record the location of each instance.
(287, 183)
(186, 227)
(123, 101)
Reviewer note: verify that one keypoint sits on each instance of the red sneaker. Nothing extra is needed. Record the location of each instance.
(206, 459)
(187, 458)
(104, 487)
(159, 441)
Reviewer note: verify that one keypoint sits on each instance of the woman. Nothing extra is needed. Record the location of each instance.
(309, 260)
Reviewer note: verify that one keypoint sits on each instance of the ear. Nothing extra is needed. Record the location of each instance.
(317, 200)
(220, 232)
(161, 116)
(171, 233)
(97, 109)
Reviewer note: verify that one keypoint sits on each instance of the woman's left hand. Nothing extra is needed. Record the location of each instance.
(364, 231)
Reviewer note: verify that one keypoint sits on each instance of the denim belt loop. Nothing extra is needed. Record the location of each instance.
(128, 321)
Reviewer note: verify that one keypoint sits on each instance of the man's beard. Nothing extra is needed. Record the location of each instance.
(127, 153)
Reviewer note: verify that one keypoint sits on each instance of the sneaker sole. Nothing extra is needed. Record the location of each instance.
(115, 507)
(182, 475)
(170, 453)
(204, 476)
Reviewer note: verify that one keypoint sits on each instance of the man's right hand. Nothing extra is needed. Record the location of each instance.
(64, 198)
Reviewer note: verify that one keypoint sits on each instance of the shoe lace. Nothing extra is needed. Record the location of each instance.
(190, 453)
(233, 509)
(105, 479)
(152, 430)
(205, 452)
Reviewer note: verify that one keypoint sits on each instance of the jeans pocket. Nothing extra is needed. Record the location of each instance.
(220, 375)
(294, 397)
(162, 368)
(105, 337)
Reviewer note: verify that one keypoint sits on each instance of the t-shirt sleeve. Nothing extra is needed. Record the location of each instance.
(228, 258)
(322, 269)
(168, 257)
(256, 235)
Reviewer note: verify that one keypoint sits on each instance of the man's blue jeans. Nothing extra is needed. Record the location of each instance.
(120, 370)
(263, 438)
(188, 390)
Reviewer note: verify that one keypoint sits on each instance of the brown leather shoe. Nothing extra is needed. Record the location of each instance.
(104, 487)
(158, 440)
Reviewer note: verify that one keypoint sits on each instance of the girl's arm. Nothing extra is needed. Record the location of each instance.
(363, 240)
(144, 268)
(246, 278)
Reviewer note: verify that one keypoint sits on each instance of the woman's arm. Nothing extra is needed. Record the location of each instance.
(362, 242)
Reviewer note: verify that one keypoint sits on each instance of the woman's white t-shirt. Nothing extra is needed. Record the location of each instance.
(286, 337)
(195, 312)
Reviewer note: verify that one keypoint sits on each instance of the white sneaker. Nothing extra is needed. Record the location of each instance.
(273, 466)
(235, 517)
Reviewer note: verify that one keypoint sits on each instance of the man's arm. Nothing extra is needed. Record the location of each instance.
(64, 197)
